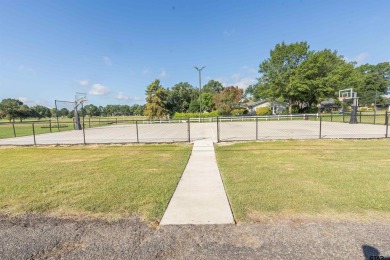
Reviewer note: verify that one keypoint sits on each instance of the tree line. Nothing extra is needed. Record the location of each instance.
(304, 78)
(184, 98)
(13, 109)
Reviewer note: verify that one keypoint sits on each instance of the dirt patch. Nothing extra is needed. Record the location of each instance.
(38, 236)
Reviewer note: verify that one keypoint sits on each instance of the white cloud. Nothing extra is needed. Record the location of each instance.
(25, 100)
(121, 96)
(236, 76)
(99, 90)
(107, 61)
(359, 59)
(83, 82)
(245, 82)
(249, 69)
(163, 73)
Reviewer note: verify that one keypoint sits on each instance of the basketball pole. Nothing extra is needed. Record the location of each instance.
(353, 119)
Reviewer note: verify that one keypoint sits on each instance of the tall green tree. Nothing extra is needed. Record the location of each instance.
(10, 108)
(213, 86)
(227, 99)
(278, 69)
(321, 76)
(156, 101)
(207, 99)
(41, 111)
(180, 97)
(92, 110)
(376, 78)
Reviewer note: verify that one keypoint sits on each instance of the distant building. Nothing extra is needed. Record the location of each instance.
(329, 105)
(276, 106)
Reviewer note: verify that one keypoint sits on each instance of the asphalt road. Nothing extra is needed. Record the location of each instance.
(44, 237)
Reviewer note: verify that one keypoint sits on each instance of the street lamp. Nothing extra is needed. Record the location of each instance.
(200, 87)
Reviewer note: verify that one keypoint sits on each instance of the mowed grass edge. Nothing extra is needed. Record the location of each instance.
(104, 181)
(311, 178)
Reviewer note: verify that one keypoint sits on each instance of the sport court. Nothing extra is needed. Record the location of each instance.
(182, 131)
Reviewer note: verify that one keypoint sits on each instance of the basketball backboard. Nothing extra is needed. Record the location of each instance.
(345, 94)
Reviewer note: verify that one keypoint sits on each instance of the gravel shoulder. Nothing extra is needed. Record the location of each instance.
(36, 236)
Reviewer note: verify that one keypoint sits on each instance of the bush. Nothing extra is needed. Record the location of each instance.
(178, 115)
(238, 112)
(263, 111)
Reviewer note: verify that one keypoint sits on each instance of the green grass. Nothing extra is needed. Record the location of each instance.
(66, 124)
(309, 178)
(108, 181)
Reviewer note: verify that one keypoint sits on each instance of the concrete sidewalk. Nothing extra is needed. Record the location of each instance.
(200, 197)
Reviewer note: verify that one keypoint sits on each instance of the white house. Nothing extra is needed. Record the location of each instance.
(276, 106)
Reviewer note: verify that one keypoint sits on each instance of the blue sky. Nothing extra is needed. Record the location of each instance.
(113, 49)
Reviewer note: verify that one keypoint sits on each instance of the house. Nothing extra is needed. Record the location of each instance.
(329, 105)
(276, 106)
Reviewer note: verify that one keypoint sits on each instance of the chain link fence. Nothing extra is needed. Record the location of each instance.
(302, 126)
(220, 129)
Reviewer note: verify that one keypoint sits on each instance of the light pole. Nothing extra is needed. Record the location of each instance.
(200, 87)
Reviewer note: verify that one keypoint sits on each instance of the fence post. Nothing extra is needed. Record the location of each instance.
(136, 129)
(217, 129)
(13, 126)
(74, 125)
(50, 125)
(257, 128)
(189, 130)
(320, 125)
(331, 116)
(343, 117)
(89, 122)
(99, 121)
(33, 128)
(84, 132)
(361, 117)
(387, 124)
(116, 121)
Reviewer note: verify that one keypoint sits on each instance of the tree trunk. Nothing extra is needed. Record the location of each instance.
(290, 107)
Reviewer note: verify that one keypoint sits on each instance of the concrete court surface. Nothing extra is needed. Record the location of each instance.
(200, 196)
(229, 131)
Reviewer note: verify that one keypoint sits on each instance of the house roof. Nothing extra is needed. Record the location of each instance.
(257, 103)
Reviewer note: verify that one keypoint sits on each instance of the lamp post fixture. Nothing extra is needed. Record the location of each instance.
(200, 89)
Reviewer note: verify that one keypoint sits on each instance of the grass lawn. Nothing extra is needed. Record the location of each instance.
(105, 181)
(317, 178)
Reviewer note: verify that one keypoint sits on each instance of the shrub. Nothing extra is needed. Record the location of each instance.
(238, 112)
(263, 111)
(178, 115)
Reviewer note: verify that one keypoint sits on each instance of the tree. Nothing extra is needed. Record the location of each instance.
(212, 86)
(92, 110)
(156, 101)
(207, 101)
(278, 69)
(320, 77)
(63, 112)
(24, 112)
(10, 108)
(375, 80)
(180, 97)
(139, 110)
(41, 111)
(227, 99)
(194, 106)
